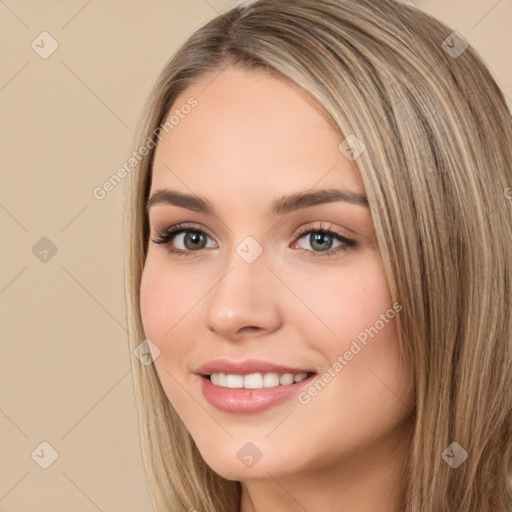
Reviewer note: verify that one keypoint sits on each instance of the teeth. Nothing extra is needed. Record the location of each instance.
(255, 380)
(286, 379)
(300, 376)
(270, 380)
(234, 381)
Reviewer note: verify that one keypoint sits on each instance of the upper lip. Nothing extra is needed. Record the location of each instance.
(246, 366)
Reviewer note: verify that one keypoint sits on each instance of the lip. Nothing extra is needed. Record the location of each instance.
(246, 401)
(246, 367)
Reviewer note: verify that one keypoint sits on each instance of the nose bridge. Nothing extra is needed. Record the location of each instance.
(244, 295)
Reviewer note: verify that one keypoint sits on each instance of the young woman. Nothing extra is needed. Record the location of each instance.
(319, 266)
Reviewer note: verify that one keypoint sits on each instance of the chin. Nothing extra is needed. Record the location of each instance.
(245, 461)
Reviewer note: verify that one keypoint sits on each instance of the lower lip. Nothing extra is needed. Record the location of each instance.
(243, 400)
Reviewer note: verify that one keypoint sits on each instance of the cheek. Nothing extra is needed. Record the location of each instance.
(170, 302)
(153, 302)
(367, 321)
(364, 388)
(355, 305)
(346, 300)
(164, 302)
(167, 295)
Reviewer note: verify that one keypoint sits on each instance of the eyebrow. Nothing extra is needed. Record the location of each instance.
(281, 205)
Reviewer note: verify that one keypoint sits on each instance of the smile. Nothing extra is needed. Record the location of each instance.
(256, 380)
(279, 389)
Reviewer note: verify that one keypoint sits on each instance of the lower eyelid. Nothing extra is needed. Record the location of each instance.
(345, 242)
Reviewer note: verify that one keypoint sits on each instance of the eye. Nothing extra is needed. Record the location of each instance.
(189, 237)
(192, 239)
(322, 239)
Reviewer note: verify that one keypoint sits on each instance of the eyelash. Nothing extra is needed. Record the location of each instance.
(168, 234)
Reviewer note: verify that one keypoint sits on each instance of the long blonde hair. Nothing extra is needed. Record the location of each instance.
(437, 170)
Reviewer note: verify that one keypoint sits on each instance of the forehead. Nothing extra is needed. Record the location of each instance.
(250, 132)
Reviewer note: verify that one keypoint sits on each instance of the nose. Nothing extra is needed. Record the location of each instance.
(245, 300)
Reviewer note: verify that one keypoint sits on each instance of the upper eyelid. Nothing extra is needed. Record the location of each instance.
(346, 243)
(177, 230)
(301, 232)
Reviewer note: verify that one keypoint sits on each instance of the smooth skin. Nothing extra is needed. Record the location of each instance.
(251, 139)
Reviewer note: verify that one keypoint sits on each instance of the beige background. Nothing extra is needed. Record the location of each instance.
(66, 127)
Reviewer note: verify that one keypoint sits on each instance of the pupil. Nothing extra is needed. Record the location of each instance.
(320, 239)
(194, 238)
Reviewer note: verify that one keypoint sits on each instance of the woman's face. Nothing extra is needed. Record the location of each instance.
(258, 289)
